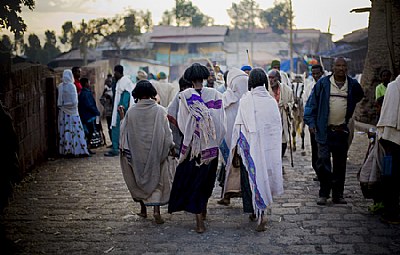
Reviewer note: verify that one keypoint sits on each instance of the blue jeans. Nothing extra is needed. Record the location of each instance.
(332, 174)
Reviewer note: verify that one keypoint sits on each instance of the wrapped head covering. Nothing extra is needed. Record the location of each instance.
(275, 63)
(246, 68)
(161, 76)
(141, 75)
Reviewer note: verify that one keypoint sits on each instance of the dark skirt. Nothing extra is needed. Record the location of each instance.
(246, 189)
(192, 186)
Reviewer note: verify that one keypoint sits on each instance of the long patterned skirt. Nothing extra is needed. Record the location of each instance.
(72, 136)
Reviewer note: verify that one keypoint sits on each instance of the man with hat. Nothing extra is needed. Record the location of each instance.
(276, 65)
(165, 90)
(246, 69)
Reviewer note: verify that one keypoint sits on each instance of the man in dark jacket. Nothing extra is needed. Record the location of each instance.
(327, 113)
(87, 109)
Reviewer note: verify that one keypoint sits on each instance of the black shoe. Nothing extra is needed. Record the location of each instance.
(91, 152)
(111, 154)
(339, 201)
(322, 201)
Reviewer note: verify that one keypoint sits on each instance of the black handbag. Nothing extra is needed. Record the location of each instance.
(96, 140)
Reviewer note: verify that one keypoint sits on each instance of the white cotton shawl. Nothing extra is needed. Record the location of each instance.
(67, 96)
(237, 82)
(285, 105)
(389, 121)
(203, 127)
(165, 90)
(390, 113)
(145, 132)
(258, 122)
(123, 84)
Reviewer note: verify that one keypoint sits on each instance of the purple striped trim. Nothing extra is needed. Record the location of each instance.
(251, 169)
(209, 153)
(183, 149)
(193, 98)
(214, 104)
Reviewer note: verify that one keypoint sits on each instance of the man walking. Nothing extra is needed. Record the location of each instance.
(327, 113)
(284, 97)
(123, 97)
(316, 73)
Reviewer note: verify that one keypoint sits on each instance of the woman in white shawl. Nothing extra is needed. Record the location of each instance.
(257, 135)
(201, 119)
(237, 83)
(72, 136)
(389, 137)
(145, 142)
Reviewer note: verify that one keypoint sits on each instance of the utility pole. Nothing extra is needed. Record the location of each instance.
(291, 37)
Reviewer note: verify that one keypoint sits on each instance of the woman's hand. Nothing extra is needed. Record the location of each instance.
(121, 112)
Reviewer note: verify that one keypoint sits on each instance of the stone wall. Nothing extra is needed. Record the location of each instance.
(29, 94)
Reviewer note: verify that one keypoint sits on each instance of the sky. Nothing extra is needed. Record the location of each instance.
(51, 14)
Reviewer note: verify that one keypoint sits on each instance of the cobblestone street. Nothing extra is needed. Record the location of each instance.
(82, 206)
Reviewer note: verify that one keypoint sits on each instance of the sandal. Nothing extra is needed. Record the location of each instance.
(224, 201)
(252, 217)
(158, 219)
(143, 215)
(261, 227)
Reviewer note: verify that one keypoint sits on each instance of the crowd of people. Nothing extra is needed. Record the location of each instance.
(233, 126)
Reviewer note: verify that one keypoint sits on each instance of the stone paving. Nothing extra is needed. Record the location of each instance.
(82, 206)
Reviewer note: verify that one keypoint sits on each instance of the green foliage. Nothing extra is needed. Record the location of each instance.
(277, 17)
(18, 43)
(167, 18)
(33, 50)
(9, 15)
(185, 14)
(6, 43)
(50, 50)
(244, 15)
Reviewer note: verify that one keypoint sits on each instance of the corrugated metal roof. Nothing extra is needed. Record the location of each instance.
(188, 39)
(76, 54)
(172, 34)
(167, 31)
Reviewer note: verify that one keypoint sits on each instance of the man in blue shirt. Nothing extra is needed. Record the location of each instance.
(327, 113)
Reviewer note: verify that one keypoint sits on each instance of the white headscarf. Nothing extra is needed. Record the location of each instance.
(237, 81)
(67, 96)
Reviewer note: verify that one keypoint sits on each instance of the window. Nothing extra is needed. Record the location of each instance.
(174, 47)
(193, 48)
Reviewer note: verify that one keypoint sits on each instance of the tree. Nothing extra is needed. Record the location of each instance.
(50, 50)
(277, 17)
(200, 20)
(383, 53)
(244, 15)
(6, 43)
(70, 35)
(185, 14)
(167, 18)
(184, 11)
(146, 22)
(9, 14)
(18, 43)
(34, 49)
